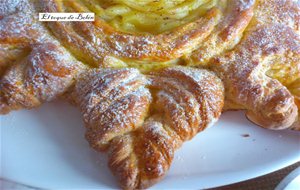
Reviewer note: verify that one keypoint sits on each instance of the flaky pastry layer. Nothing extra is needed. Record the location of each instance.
(141, 115)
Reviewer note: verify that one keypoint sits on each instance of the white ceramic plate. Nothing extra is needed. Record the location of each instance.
(45, 148)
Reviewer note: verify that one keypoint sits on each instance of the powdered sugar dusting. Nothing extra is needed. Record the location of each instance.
(244, 73)
(112, 111)
(99, 39)
(145, 118)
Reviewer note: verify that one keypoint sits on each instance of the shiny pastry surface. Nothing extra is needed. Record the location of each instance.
(143, 119)
(148, 16)
(145, 71)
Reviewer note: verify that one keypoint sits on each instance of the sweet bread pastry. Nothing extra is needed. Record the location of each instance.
(261, 74)
(223, 24)
(91, 42)
(41, 76)
(143, 119)
(122, 70)
(35, 67)
(220, 28)
(227, 33)
(268, 103)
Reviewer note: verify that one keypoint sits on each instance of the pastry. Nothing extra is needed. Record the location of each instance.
(268, 103)
(261, 74)
(35, 68)
(91, 43)
(143, 119)
(122, 70)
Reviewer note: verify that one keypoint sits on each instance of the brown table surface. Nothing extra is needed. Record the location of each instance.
(265, 182)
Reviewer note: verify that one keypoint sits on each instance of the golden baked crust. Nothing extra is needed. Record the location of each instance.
(10, 54)
(41, 76)
(35, 67)
(267, 101)
(285, 68)
(143, 119)
(140, 117)
(90, 42)
(257, 71)
(227, 33)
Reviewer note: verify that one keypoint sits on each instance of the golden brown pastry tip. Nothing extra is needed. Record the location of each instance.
(294, 88)
(34, 66)
(261, 74)
(268, 103)
(41, 76)
(218, 30)
(143, 119)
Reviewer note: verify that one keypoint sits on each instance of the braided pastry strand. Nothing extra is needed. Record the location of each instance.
(261, 73)
(34, 66)
(40, 77)
(268, 103)
(142, 120)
